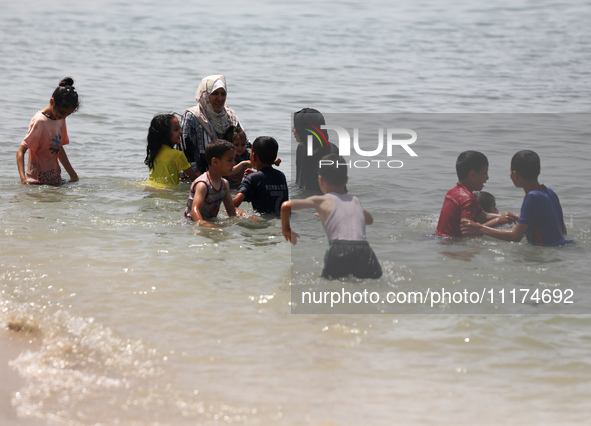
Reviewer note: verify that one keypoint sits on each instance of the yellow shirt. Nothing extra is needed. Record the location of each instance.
(167, 166)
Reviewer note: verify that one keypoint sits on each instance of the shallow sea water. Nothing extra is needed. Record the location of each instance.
(143, 318)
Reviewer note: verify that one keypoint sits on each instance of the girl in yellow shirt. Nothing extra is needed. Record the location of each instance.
(166, 163)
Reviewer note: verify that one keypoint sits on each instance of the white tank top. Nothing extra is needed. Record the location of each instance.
(346, 221)
(213, 199)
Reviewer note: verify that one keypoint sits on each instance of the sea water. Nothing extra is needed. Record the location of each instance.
(144, 318)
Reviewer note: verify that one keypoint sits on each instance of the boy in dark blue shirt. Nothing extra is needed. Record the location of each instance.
(541, 219)
(267, 188)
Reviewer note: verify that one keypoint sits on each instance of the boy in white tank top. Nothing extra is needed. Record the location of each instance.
(344, 220)
(210, 189)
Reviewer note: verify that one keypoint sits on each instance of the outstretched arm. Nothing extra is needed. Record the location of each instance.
(492, 219)
(474, 228)
(289, 235)
(321, 203)
(63, 157)
(237, 172)
(238, 199)
(20, 163)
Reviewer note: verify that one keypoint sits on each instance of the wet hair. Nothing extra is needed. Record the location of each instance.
(527, 164)
(265, 147)
(65, 95)
(468, 161)
(334, 174)
(158, 135)
(216, 149)
(233, 132)
(486, 200)
(304, 119)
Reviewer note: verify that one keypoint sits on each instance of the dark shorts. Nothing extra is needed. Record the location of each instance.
(355, 258)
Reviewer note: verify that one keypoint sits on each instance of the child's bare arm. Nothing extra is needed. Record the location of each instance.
(492, 219)
(238, 199)
(317, 202)
(321, 203)
(237, 172)
(20, 163)
(289, 235)
(474, 228)
(228, 202)
(63, 157)
(200, 194)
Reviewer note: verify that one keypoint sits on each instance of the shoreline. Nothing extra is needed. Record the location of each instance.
(13, 344)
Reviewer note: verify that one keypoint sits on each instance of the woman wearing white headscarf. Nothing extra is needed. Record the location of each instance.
(206, 121)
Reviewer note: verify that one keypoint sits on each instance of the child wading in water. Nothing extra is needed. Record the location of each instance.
(267, 188)
(344, 220)
(541, 219)
(46, 138)
(210, 189)
(164, 162)
(460, 201)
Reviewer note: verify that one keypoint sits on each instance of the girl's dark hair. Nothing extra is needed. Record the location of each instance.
(158, 135)
(65, 95)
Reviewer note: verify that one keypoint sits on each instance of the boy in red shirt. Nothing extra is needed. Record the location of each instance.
(460, 202)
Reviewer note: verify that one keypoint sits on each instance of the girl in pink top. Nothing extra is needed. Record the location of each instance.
(46, 138)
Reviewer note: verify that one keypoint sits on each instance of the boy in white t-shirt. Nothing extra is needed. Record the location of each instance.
(344, 220)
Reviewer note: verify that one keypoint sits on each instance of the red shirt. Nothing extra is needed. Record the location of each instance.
(459, 203)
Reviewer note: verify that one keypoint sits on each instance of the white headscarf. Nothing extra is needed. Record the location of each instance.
(214, 123)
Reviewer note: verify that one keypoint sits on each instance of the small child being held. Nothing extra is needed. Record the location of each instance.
(164, 162)
(237, 137)
(487, 201)
(541, 219)
(266, 189)
(344, 220)
(210, 189)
